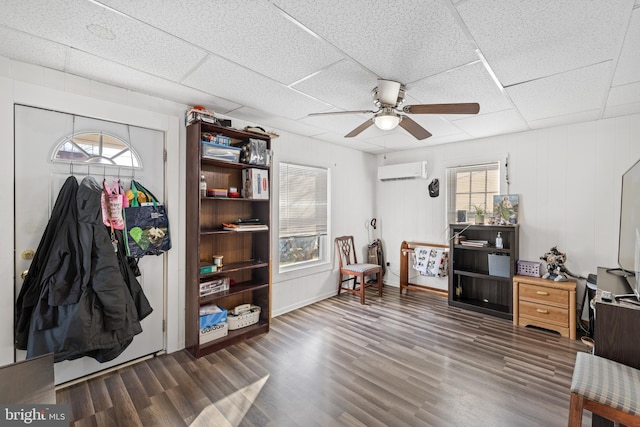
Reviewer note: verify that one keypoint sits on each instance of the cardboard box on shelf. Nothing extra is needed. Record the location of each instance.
(256, 183)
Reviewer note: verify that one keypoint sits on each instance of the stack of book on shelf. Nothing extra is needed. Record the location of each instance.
(475, 243)
(246, 225)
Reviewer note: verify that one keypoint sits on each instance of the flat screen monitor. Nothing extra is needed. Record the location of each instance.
(629, 241)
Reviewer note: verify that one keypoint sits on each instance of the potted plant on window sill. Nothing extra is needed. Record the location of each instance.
(480, 213)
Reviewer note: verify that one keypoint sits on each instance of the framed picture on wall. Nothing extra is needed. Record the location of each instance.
(505, 208)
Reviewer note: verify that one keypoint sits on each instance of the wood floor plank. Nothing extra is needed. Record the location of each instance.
(406, 360)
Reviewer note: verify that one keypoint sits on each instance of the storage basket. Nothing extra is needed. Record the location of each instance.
(245, 319)
(499, 265)
(529, 268)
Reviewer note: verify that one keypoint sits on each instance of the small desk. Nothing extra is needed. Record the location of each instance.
(546, 304)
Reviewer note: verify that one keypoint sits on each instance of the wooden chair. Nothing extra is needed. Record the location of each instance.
(604, 387)
(349, 266)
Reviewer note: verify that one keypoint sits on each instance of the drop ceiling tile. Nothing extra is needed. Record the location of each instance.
(626, 94)
(254, 34)
(85, 26)
(628, 67)
(27, 48)
(622, 110)
(345, 85)
(405, 40)
(271, 121)
(562, 94)
(395, 142)
(567, 119)
(437, 125)
(340, 124)
(223, 78)
(500, 122)
(105, 71)
(469, 83)
(526, 40)
(352, 143)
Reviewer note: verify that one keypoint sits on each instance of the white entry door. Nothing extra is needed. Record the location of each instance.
(38, 180)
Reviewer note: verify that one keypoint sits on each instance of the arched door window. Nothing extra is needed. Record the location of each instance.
(96, 147)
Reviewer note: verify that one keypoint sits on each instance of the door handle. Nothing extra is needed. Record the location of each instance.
(24, 274)
(539, 310)
(542, 293)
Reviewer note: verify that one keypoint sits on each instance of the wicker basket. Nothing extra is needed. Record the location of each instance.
(529, 268)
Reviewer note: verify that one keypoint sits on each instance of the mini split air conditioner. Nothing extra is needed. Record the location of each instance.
(415, 170)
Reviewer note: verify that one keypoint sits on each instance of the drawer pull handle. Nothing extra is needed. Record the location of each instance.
(542, 293)
(539, 310)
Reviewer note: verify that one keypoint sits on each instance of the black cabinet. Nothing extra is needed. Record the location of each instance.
(481, 275)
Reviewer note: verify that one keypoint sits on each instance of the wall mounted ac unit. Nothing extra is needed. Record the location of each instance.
(415, 170)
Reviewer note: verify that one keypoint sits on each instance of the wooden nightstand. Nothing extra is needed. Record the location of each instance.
(546, 304)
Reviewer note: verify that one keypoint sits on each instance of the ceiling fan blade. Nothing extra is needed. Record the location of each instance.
(388, 91)
(342, 112)
(414, 128)
(459, 108)
(359, 129)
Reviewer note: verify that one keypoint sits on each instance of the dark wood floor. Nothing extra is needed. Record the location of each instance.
(397, 361)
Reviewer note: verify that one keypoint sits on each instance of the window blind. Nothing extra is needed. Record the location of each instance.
(303, 200)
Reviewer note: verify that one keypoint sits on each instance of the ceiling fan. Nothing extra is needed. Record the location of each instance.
(388, 96)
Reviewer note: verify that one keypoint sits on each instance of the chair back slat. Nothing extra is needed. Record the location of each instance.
(346, 251)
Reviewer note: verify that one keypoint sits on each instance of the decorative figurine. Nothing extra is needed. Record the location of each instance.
(555, 260)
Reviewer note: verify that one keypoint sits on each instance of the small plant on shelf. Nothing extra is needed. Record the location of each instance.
(480, 212)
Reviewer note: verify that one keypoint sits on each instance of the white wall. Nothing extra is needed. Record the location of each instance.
(568, 179)
(352, 203)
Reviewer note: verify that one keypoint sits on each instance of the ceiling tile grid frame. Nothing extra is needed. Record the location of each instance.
(251, 33)
(528, 40)
(115, 37)
(628, 66)
(366, 31)
(561, 94)
(228, 80)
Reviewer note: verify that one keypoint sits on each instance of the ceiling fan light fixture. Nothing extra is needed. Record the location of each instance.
(386, 121)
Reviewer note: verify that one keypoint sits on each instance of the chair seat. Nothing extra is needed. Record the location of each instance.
(361, 268)
(607, 382)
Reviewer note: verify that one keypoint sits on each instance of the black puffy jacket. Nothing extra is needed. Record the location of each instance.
(84, 305)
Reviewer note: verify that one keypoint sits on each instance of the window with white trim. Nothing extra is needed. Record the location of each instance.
(303, 214)
(472, 186)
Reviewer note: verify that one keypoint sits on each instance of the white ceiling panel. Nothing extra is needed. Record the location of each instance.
(257, 36)
(396, 142)
(405, 40)
(231, 81)
(621, 95)
(275, 122)
(562, 94)
(492, 123)
(622, 110)
(84, 64)
(567, 119)
(437, 125)
(628, 68)
(27, 48)
(86, 26)
(526, 40)
(340, 123)
(469, 83)
(345, 85)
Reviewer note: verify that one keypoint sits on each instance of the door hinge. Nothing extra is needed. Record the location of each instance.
(164, 155)
(164, 325)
